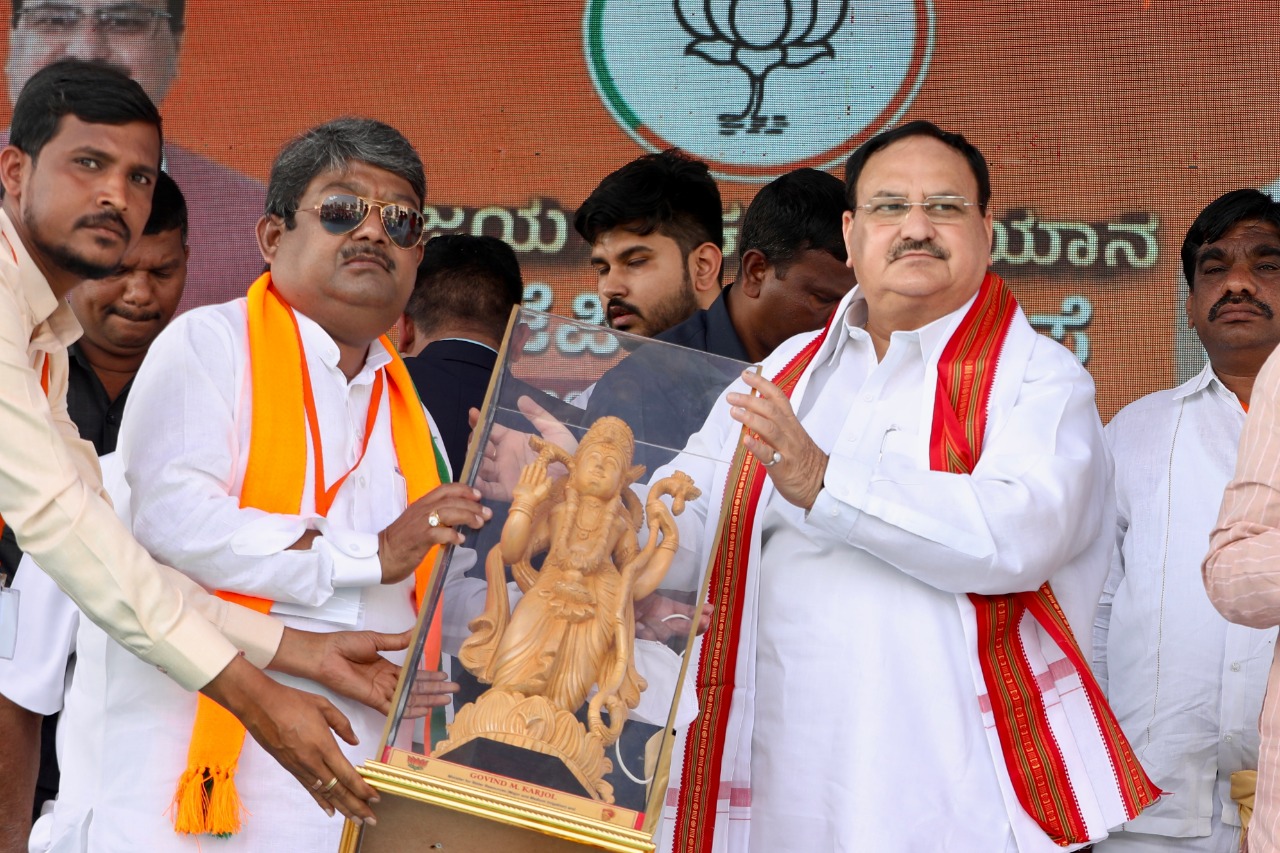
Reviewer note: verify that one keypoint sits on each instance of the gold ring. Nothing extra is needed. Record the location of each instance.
(434, 519)
(333, 783)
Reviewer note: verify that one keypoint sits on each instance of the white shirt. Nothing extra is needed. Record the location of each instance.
(865, 729)
(184, 446)
(1186, 685)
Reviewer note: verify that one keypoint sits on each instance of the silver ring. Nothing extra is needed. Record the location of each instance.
(434, 519)
(777, 457)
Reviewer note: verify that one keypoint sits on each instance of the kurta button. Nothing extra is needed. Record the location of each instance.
(1235, 667)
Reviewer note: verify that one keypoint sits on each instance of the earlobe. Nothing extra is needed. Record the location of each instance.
(705, 264)
(846, 227)
(405, 335)
(269, 229)
(751, 279)
(12, 167)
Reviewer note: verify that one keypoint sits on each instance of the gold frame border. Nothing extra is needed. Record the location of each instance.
(490, 805)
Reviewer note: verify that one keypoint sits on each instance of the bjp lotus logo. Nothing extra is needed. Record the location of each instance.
(758, 38)
(757, 87)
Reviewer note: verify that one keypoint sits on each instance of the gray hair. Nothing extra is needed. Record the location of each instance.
(330, 147)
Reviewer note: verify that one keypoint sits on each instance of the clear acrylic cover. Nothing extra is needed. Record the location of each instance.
(566, 619)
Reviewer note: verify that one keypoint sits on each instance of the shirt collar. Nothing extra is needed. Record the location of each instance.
(50, 315)
(722, 338)
(931, 336)
(470, 341)
(1205, 380)
(319, 344)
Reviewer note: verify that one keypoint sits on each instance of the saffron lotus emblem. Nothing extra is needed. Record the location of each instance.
(757, 87)
(759, 37)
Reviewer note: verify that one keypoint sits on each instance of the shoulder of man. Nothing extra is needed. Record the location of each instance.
(690, 333)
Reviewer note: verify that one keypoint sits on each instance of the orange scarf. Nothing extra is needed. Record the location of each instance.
(206, 801)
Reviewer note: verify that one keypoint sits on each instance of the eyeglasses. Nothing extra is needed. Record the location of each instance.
(342, 214)
(890, 210)
(60, 19)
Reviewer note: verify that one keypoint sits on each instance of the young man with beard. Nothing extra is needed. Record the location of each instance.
(656, 231)
(121, 315)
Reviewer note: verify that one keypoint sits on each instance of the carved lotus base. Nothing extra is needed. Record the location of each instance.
(534, 723)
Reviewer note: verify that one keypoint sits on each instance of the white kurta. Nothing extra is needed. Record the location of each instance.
(856, 722)
(1186, 685)
(185, 448)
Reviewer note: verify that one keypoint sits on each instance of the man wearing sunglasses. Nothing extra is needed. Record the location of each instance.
(77, 182)
(277, 451)
(144, 39)
(922, 523)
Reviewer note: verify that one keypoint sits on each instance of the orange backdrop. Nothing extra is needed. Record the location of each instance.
(1119, 120)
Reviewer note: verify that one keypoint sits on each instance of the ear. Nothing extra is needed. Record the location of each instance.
(846, 227)
(405, 335)
(13, 167)
(1186, 306)
(270, 228)
(987, 219)
(635, 472)
(704, 268)
(751, 275)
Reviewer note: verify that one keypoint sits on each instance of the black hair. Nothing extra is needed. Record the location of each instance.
(670, 193)
(168, 208)
(92, 91)
(331, 147)
(177, 19)
(794, 213)
(1223, 214)
(461, 277)
(977, 163)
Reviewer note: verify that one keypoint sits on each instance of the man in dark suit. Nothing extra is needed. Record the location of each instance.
(451, 329)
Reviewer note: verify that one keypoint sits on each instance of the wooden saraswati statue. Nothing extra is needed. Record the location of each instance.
(574, 628)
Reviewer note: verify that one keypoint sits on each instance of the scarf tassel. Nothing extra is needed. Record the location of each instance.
(207, 803)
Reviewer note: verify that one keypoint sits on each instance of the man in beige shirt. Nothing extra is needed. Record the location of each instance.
(1242, 570)
(77, 179)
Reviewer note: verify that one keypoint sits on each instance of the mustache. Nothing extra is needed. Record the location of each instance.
(131, 314)
(1240, 299)
(107, 218)
(625, 308)
(351, 253)
(907, 246)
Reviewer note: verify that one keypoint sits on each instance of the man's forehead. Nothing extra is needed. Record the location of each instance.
(361, 178)
(627, 238)
(1250, 235)
(917, 158)
(155, 250)
(74, 132)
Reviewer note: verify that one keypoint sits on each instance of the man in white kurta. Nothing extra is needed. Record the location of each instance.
(1186, 684)
(859, 717)
(185, 449)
